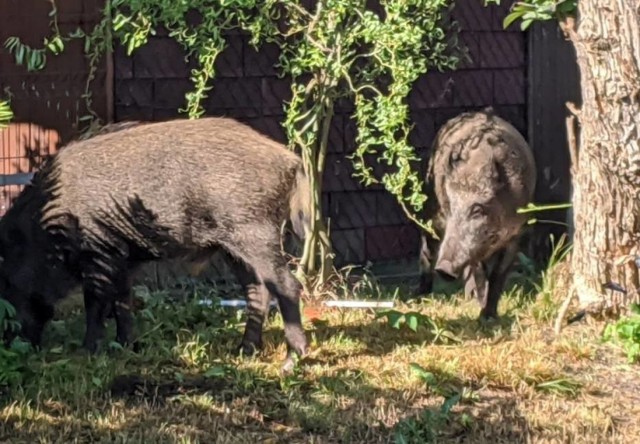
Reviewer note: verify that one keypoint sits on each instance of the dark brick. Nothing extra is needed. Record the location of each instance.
(137, 93)
(468, 42)
(350, 133)
(472, 15)
(160, 114)
(344, 105)
(229, 62)
(234, 113)
(262, 62)
(233, 93)
(160, 58)
(122, 63)
(133, 113)
(170, 93)
(269, 126)
(352, 210)
(472, 88)
(349, 246)
(501, 49)
(432, 90)
(423, 130)
(395, 242)
(336, 134)
(275, 92)
(338, 174)
(388, 210)
(326, 204)
(510, 87)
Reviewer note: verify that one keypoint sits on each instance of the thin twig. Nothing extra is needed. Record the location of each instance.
(562, 313)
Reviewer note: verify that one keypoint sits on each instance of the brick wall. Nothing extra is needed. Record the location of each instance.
(366, 224)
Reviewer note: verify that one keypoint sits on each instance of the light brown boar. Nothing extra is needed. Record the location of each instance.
(480, 172)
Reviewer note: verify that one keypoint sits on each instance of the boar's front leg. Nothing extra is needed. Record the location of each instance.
(498, 278)
(489, 290)
(258, 299)
(428, 246)
(476, 284)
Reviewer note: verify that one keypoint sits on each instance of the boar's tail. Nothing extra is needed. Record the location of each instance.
(300, 204)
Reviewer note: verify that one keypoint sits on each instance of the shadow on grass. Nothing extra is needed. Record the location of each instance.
(337, 408)
(152, 403)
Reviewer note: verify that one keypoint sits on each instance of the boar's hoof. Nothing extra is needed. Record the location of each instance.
(488, 315)
(134, 346)
(425, 286)
(91, 346)
(288, 366)
(248, 349)
(297, 341)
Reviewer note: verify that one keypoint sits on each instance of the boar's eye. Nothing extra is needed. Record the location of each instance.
(476, 211)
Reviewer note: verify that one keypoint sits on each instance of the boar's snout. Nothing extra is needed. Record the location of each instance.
(451, 260)
(446, 270)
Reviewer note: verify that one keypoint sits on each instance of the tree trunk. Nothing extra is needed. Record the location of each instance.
(606, 166)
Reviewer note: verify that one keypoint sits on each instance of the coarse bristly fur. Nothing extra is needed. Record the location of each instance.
(182, 188)
(480, 172)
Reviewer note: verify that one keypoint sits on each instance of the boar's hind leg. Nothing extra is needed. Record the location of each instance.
(95, 312)
(106, 288)
(258, 299)
(498, 278)
(270, 267)
(122, 308)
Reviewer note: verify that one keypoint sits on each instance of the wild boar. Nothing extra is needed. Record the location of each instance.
(481, 170)
(101, 207)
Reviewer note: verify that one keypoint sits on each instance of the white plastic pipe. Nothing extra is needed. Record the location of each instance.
(337, 304)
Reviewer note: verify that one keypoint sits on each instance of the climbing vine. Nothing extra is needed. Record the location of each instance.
(333, 50)
(5, 113)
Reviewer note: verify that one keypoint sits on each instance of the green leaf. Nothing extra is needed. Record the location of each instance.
(449, 404)
(60, 363)
(525, 24)
(412, 321)
(508, 20)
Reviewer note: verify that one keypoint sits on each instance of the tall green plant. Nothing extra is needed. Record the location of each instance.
(5, 114)
(342, 49)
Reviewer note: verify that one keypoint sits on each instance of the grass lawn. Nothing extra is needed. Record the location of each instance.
(452, 380)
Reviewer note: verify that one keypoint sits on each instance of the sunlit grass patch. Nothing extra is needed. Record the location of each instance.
(437, 375)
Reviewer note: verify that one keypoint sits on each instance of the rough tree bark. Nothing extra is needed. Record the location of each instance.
(606, 163)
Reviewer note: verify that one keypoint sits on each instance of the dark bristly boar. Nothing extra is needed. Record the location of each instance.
(480, 172)
(184, 188)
